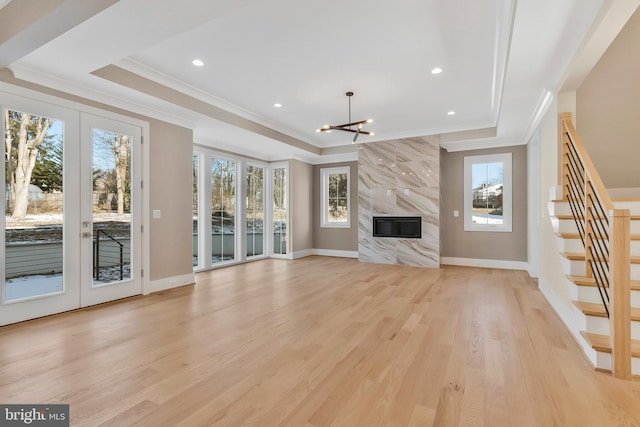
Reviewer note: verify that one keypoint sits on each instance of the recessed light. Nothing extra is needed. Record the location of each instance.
(436, 70)
(197, 62)
(277, 105)
(451, 113)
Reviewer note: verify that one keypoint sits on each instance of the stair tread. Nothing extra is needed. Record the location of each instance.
(573, 256)
(601, 343)
(565, 235)
(579, 256)
(597, 310)
(631, 217)
(616, 199)
(590, 281)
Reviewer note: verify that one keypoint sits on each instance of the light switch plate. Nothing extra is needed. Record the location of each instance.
(157, 214)
(456, 213)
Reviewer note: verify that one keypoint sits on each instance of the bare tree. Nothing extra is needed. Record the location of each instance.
(31, 133)
(121, 156)
(114, 175)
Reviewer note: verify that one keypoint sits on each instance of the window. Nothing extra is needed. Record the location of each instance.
(196, 244)
(223, 210)
(487, 193)
(335, 197)
(279, 213)
(254, 211)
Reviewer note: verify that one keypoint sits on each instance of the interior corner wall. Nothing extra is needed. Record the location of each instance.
(170, 186)
(551, 278)
(301, 205)
(336, 239)
(170, 191)
(458, 243)
(400, 178)
(608, 110)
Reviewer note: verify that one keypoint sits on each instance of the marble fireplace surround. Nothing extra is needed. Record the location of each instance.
(400, 178)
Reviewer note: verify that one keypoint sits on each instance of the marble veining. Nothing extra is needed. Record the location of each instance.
(376, 176)
(377, 153)
(416, 200)
(409, 149)
(400, 178)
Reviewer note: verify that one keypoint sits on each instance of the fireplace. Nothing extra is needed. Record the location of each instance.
(406, 227)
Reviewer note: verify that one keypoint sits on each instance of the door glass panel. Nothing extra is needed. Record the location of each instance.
(280, 210)
(255, 210)
(33, 205)
(195, 211)
(487, 187)
(111, 207)
(223, 210)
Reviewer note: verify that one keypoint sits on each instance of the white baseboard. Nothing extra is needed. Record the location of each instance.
(325, 252)
(485, 263)
(336, 253)
(301, 254)
(168, 283)
(568, 319)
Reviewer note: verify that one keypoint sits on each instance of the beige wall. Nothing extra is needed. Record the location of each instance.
(170, 190)
(301, 205)
(339, 239)
(608, 109)
(458, 243)
(171, 150)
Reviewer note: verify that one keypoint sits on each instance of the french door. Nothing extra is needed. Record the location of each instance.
(110, 210)
(71, 197)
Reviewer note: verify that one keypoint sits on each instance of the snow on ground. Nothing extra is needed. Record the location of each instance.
(29, 286)
(487, 219)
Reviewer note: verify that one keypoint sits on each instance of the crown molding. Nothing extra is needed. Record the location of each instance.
(33, 76)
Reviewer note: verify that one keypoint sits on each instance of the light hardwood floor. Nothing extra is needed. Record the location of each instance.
(318, 342)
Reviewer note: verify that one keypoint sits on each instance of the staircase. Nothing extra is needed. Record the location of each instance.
(589, 308)
(599, 244)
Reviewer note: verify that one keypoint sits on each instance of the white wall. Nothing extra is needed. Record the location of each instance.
(552, 281)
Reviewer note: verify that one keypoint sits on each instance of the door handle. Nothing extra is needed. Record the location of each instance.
(87, 234)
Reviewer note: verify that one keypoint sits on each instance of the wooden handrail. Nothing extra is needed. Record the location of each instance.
(598, 221)
(602, 192)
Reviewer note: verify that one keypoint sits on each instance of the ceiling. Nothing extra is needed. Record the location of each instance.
(502, 62)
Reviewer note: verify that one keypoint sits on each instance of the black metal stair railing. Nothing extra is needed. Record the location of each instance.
(590, 216)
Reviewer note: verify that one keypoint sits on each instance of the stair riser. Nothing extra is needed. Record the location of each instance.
(569, 226)
(634, 207)
(635, 366)
(603, 361)
(570, 245)
(559, 208)
(563, 208)
(591, 294)
(564, 225)
(575, 245)
(574, 268)
(600, 325)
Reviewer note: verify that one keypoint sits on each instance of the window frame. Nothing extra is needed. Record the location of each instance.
(324, 191)
(507, 192)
